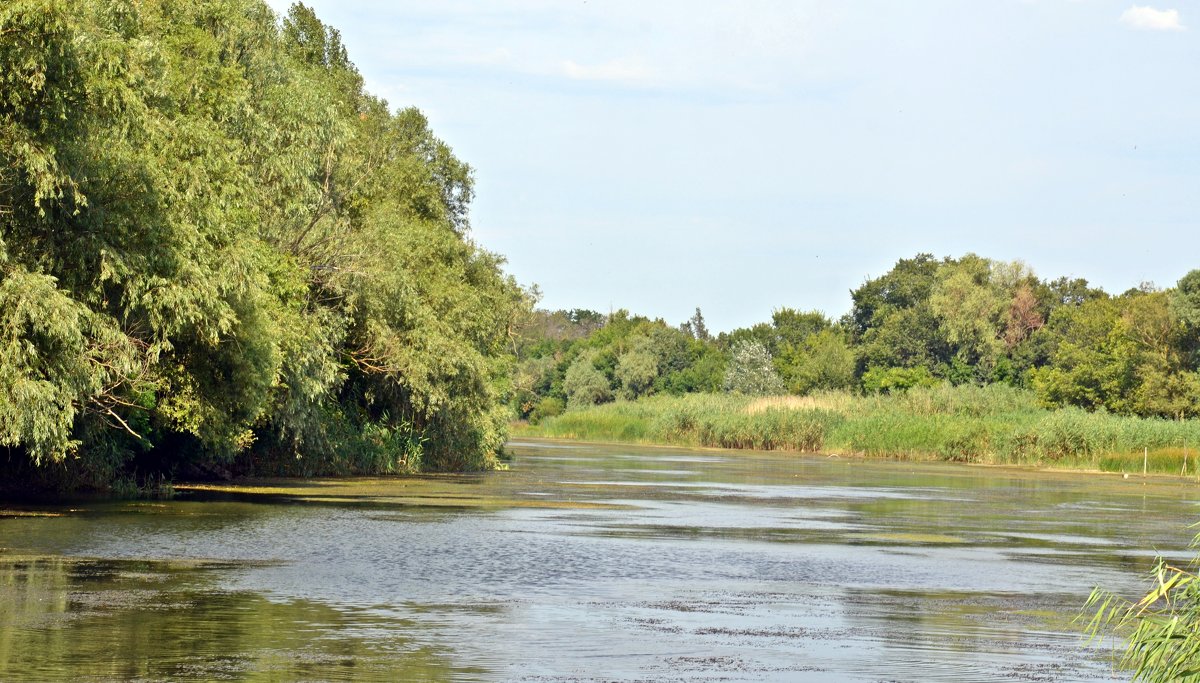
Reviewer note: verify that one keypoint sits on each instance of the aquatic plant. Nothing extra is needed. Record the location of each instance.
(1161, 629)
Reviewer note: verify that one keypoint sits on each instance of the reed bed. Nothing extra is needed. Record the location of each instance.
(993, 424)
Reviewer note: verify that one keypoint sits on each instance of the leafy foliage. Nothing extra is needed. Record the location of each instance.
(215, 245)
(963, 321)
(751, 371)
(584, 383)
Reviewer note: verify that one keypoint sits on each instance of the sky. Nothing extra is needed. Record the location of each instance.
(742, 157)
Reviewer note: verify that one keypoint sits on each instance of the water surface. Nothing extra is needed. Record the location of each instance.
(586, 563)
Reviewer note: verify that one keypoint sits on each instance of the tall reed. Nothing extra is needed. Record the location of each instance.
(992, 424)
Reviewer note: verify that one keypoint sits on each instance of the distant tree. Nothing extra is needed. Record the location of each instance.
(762, 333)
(1185, 300)
(703, 372)
(906, 337)
(584, 384)
(1066, 291)
(1164, 384)
(586, 320)
(531, 379)
(892, 323)
(751, 371)
(1089, 366)
(1129, 354)
(1166, 393)
(637, 368)
(549, 406)
(907, 285)
(823, 361)
(695, 326)
(793, 327)
(968, 307)
(1022, 318)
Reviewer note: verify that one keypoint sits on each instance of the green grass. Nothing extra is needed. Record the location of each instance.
(994, 425)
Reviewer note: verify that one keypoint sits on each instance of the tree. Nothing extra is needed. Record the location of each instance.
(637, 368)
(1128, 355)
(907, 285)
(793, 327)
(906, 337)
(1185, 300)
(823, 362)
(968, 307)
(1022, 318)
(1089, 366)
(889, 380)
(695, 326)
(751, 371)
(214, 242)
(1065, 291)
(892, 323)
(584, 384)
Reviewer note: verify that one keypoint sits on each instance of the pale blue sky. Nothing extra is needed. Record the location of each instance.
(659, 156)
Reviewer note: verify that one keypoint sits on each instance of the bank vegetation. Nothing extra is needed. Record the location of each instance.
(219, 253)
(997, 424)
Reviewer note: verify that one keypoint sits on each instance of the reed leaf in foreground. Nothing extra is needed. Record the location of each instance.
(1162, 628)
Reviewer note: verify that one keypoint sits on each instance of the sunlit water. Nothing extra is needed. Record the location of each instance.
(589, 563)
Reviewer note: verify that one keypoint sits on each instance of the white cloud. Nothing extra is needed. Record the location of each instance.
(619, 70)
(1149, 19)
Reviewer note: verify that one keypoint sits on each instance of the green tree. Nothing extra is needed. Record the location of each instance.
(1128, 355)
(1185, 300)
(823, 362)
(1089, 366)
(695, 327)
(892, 323)
(585, 384)
(214, 242)
(637, 368)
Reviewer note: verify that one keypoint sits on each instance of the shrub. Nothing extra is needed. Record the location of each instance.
(550, 406)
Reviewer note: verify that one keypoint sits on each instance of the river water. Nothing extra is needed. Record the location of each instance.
(589, 563)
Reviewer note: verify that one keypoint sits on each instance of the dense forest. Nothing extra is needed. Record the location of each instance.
(927, 321)
(219, 253)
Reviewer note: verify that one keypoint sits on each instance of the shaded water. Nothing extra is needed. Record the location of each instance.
(588, 563)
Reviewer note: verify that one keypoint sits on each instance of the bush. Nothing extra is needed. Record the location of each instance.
(887, 380)
(550, 406)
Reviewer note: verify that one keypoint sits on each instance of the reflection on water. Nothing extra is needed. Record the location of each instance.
(166, 620)
(588, 563)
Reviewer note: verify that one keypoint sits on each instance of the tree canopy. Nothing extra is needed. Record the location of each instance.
(964, 320)
(216, 246)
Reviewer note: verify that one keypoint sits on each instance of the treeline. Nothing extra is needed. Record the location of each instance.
(927, 321)
(217, 250)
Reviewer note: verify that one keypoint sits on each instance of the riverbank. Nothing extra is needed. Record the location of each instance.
(993, 425)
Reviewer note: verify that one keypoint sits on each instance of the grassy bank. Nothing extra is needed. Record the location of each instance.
(992, 425)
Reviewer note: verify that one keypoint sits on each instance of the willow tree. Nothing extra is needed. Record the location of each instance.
(214, 241)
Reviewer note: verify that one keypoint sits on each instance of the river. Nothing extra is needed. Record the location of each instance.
(589, 563)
